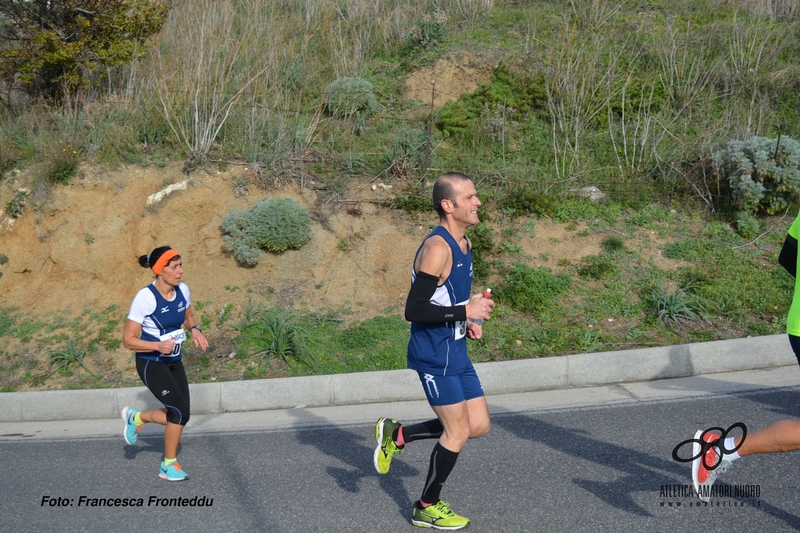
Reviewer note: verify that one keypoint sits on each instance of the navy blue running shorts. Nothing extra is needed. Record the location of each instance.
(450, 390)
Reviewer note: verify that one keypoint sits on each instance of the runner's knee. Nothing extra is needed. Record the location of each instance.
(177, 415)
(481, 429)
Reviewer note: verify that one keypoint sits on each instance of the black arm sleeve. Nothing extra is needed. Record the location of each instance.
(420, 309)
(788, 255)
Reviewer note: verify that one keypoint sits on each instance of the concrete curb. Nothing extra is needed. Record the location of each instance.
(504, 377)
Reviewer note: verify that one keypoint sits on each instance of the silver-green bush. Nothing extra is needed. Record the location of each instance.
(273, 225)
(763, 173)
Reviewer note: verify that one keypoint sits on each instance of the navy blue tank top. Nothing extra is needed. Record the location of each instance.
(441, 349)
(168, 317)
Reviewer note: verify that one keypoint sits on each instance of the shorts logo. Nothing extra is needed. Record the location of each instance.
(164, 392)
(429, 380)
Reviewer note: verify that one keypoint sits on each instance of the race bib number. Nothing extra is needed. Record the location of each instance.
(178, 337)
(461, 325)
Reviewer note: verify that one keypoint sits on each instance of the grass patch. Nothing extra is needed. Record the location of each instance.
(299, 343)
(528, 289)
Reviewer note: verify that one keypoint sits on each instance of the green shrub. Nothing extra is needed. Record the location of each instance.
(406, 153)
(482, 239)
(597, 267)
(8, 158)
(455, 118)
(528, 290)
(651, 214)
(519, 94)
(352, 98)
(612, 244)
(62, 165)
(674, 308)
(267, 335)
(61, 47)
(524, 200)
(764, 174)
(283, 337)
(413, 202)
(747, 225)
(429, 30)
(67, 357)
(15, 206)
(272, 225)
(572, 209)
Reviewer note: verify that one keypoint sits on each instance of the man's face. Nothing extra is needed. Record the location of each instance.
(465, 206)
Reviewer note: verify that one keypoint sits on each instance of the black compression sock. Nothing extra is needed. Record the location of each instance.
(442, 463)
(432, 429)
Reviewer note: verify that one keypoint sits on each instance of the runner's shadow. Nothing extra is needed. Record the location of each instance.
(147, 445)
(637, 471)
(356, 451)
(238, 477)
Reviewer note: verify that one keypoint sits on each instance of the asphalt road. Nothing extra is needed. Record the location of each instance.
(591, 468)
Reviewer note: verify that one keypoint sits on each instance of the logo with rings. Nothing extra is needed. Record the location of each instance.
(704, 445)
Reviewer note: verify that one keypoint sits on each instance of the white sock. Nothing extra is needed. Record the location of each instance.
(729, 445)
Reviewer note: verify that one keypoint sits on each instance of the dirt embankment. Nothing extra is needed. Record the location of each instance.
(78, 250)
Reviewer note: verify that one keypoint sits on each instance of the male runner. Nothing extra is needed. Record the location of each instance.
(441, 313)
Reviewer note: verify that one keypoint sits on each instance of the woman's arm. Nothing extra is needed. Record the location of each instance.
(131, 340)
(198, 337)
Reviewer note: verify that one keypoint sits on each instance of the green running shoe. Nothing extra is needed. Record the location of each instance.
(438, 516)
(386, 447)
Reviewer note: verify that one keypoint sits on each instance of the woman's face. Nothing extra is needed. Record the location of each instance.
(173, 272)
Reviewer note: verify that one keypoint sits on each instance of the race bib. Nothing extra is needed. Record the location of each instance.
(461, 325)
(178, 336)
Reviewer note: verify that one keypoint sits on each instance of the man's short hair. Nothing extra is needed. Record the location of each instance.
(443, 189)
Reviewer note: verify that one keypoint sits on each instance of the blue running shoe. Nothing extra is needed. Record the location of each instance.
(172, 472)
(131, 429)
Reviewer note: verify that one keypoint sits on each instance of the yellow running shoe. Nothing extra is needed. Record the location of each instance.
(438, 516)
(386, 447)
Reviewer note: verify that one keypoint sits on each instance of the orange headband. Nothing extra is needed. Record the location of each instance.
(163, 261)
